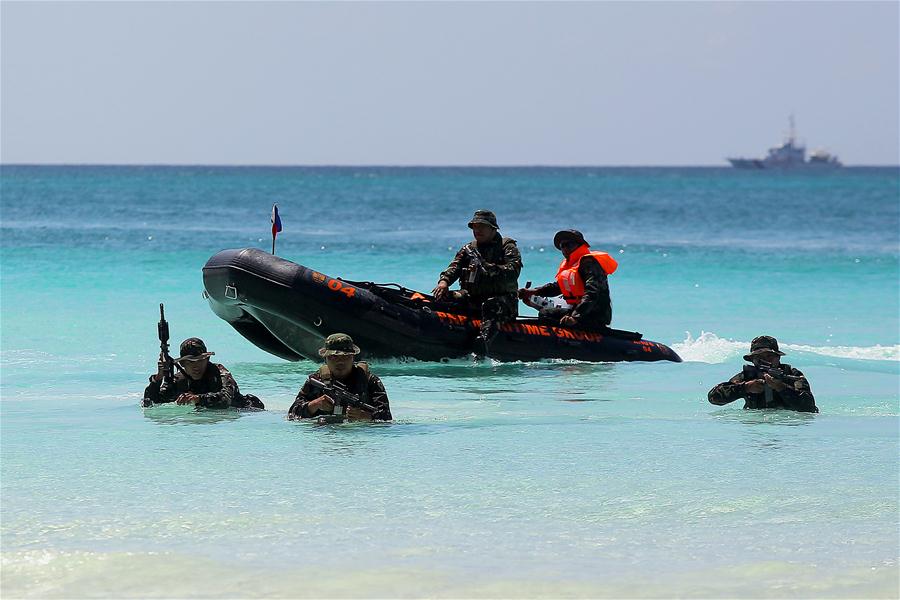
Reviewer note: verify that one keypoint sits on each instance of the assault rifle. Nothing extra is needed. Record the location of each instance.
(162, 328)
(476, 263)
(777, 373)
(169, 365)
(342, 397)
(763, 368)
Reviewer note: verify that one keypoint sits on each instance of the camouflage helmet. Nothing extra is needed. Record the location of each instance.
(193, 349)
(339, 344)
(484, 216)
(762, 344)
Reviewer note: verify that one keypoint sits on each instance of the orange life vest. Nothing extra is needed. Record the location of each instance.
(570, 282)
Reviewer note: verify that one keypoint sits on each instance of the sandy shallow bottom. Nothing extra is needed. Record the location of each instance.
(128, 575)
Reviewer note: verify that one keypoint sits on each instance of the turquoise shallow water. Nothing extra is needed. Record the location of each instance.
(536, 479)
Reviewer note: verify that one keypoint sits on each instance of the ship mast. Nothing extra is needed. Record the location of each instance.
(792, 133)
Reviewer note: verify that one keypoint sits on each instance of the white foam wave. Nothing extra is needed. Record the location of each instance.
(876, 352)
(710, 348)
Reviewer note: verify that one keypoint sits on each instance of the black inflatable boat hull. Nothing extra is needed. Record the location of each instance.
(287, 310)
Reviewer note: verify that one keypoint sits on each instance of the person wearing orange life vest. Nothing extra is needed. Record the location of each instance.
(582, 282)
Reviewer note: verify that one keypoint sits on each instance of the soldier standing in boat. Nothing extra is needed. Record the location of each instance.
(341, 388)
(767, 383)
(488, 270)
(582, 282)
(198, 382)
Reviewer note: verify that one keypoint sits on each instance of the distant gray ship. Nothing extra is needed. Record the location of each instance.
(789, 155)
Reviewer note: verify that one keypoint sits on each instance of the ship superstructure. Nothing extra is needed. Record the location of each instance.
(788, 155)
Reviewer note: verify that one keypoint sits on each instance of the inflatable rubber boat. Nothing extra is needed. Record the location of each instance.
(287, 310)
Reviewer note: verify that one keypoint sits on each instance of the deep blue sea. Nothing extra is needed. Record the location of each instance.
(545, 479)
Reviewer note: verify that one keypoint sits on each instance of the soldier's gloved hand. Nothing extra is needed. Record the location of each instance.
(775, 384)
(323, 403)
(755, 386)
(440, 290)
(358, 414)
(525, 294)
(187, 398)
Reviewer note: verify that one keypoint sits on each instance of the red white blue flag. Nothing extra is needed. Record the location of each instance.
(276, 221)
(276, 225)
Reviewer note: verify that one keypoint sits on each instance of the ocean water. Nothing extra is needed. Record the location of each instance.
(545, 479)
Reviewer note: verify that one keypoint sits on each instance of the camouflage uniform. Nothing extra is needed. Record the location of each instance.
(491, 291)
(216, 388)
(796, 395)
(360, 382)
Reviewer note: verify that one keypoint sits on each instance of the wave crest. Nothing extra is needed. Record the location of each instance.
(710, 348)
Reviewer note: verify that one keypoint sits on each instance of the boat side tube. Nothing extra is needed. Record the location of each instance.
(288, 309)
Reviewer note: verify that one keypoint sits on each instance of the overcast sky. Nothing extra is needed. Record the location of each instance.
(672, 83)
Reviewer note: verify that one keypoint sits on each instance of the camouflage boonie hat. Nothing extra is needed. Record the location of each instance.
(193, 349)
(761, 345)
(338, 344)
(568, 234)
(484, 216)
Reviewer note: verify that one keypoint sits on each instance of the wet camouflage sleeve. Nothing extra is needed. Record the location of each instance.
(797, 395)
(157, 393)
(727, 391)
(595, 305)
(379, 399)
(306, 395)
(225, 395)
(165, 390)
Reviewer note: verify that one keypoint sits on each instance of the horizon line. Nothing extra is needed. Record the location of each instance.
(423, 166)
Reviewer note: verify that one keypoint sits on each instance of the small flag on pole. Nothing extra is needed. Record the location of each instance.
(276, 225)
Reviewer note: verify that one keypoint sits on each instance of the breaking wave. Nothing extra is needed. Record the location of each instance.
(710, 348)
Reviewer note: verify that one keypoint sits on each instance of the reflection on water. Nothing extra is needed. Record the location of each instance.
(787, 418)
(345, 438)
(176, 414)
(767, 438)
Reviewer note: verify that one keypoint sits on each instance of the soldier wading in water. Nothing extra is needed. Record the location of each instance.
(341, 388)
(767, 383)
(199, 382)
